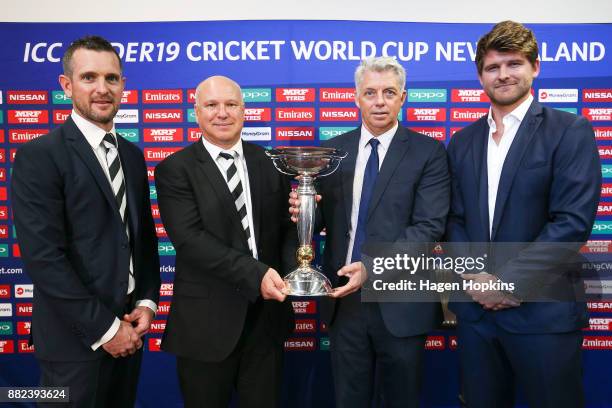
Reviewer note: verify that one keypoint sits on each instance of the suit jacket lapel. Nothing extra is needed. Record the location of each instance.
(255, 186)
(219, 186)
(519, 146)
(347, 167)
(83, 149)
(479, 158)
(130, 176)
(397, 150)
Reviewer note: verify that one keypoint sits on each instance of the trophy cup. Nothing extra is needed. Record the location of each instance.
(308, 162)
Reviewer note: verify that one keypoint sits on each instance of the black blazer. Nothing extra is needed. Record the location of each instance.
(216, 276)
(409, 203)
(73, 242)
(548, 192)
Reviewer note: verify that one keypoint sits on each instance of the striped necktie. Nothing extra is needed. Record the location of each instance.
(118, 184)
(235, 187)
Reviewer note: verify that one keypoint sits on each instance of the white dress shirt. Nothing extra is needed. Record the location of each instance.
(94, 135)
(237, 152)
(363, 154)
(496, 154)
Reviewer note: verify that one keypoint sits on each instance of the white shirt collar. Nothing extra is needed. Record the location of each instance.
(384, 139)
(518, 113)
(93, 134)
(214, 150)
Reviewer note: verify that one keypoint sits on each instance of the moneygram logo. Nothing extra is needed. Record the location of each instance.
(162, 96)
(131, 135)
(598, 287)
(159, 153)
(28, 116)
(603, 133)
(602, 227)
(6, 328)
(426, 114)
(129, 97)
(558, 95)
(326, 133)
(467, 114)
(6, 309)
(257, 95)
(256, 133)
(163, 135)
(26, 97)
(60, 98)
(469, 95)
(337, 95)
(295, 133)
(596, 114)
(257, 114)
(339, 114)
(23, 136)
(419, 95)
(295, 114)
(295, 94)
(60, 116)
(606, 172)
(126, 116)
(438, 133)
(24, 291)
(163, 115)
(301, 344)
(597, 95)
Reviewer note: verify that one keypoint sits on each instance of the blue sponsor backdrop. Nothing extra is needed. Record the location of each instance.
(315, 60)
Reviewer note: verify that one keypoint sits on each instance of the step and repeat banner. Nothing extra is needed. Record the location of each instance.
(297, 80)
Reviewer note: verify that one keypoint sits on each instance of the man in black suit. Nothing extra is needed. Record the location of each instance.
(223, 205)
(392, 187)
(524, 174)
(81, 208)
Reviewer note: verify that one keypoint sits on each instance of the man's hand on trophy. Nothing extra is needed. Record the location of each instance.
(273, 286)
(357, 275)
(294, 204)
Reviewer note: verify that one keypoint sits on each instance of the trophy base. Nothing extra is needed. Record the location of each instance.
(307, 281)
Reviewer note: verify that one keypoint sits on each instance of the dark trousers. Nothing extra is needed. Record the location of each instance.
(106, 382)
(364, 352)
(548, 367)
(253, 370)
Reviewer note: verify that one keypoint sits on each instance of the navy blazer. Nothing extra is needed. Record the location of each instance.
(73, 241)
(409, 203)
(548, 192)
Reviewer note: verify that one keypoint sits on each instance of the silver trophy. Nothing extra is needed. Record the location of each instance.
(308, 162)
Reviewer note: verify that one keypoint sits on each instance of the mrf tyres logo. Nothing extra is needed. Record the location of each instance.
(295, 95)
(33, 117)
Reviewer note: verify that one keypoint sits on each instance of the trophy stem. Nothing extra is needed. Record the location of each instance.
(306, 193)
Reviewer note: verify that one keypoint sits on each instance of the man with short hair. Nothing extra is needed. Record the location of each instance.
(393, 186)
(223, 205)
(81, 206)
(528, 175)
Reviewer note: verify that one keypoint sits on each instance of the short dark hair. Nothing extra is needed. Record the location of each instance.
(90, 42)
(508, 36)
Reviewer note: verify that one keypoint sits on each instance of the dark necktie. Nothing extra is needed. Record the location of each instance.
(235, 187)
(118, 184)
(369, 180)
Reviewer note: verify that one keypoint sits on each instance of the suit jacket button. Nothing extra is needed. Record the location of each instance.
(348, 235)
